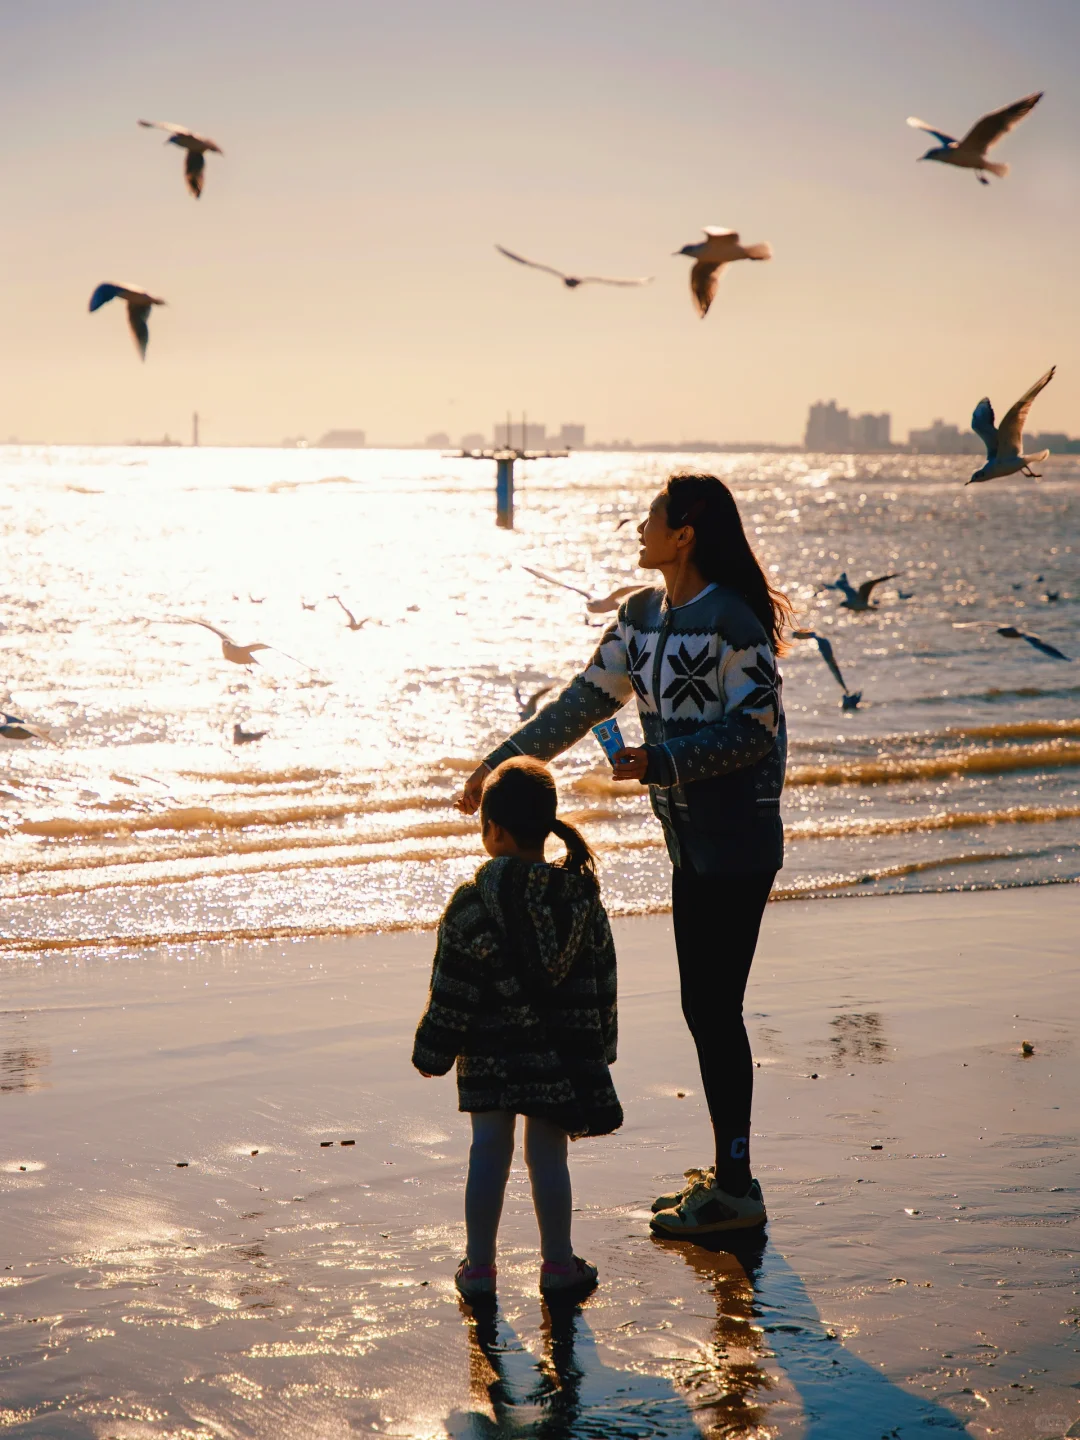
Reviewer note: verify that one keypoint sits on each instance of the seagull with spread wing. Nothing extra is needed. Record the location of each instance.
(594, 604)
(139, 304)
(237, 654)
(14, 727)
(1005, 442)
(850, 699)
(719, 248)
(970, 152)
(196, 147)
(572, 281)
(350, 619)
(858, 600)
(1010, 632)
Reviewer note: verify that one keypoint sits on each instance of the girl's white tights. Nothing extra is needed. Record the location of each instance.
(490, 1156)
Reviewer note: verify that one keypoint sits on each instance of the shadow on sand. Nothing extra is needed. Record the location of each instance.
(764, 1316)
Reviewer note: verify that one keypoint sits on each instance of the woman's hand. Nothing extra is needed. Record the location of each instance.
(468, 802)
(630, 764)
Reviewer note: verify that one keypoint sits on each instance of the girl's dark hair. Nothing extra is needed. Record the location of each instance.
(520, 796)
(722, 551)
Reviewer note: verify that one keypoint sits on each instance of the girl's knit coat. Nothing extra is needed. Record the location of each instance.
(523, 997)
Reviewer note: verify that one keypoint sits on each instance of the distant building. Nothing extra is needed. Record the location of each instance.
(571, 437)
(942, 439)
(343, 440)
(437, 440)
(473, 441)
(830, 430)
(1050, 440)
(528, 436)
(827, 427)
(871, 432)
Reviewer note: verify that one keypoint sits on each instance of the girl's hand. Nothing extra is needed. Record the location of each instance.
(426, 1075)
(468, 802)
(630, 764)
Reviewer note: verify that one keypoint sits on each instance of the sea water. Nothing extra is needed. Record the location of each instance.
(146, 823)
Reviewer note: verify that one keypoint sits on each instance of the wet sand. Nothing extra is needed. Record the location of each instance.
(926, 1287)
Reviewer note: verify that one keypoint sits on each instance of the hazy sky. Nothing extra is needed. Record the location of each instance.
(339, 269)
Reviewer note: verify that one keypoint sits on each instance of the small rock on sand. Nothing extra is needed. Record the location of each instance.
(1026, 1047)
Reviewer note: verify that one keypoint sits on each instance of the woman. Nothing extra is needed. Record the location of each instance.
(699, 653)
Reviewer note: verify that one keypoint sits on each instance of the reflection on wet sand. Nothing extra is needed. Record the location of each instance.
(859, 1037)
(767, 1351)
(20, 1060)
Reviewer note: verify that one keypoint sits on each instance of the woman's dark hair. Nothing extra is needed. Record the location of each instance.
(520, 796)
(721, 550)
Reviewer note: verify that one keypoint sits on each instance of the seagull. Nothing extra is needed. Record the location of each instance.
(572, 281)
(237, 654)
(850, 700)
(595, 605)
(710, 255)
(527, 705)
(1010, 632)
(13, 727)
(1004, 443)
(305, 606)
(858, 600)
(138, 308)
(196, 147)
(240, 736)
(970, 152)
(353, 623)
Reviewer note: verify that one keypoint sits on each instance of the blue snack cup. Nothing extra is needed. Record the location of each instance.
(609, 738)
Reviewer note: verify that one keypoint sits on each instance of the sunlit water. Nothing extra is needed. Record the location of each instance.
(962, 767)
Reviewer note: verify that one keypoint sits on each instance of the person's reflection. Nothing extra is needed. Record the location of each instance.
(726, 1387)
(549, 1403)
(763, 1310)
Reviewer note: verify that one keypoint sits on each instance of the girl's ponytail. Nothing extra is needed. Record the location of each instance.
(580, 859)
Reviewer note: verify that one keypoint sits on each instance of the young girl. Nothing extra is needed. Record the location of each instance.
(523, 998)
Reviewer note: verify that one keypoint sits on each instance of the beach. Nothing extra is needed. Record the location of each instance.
(190, 1250)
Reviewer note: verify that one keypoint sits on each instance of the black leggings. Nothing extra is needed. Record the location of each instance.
(717, 919)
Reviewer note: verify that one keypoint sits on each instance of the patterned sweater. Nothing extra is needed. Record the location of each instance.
(707, 687)
(523, 997)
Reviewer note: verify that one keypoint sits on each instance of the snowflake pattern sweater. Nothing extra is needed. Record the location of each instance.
(707, 687)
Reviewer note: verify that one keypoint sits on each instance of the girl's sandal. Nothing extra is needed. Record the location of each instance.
(474, 1281)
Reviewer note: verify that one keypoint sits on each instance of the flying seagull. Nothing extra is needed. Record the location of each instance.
(237, 654)
(710, 256)
(1005, 443)
(858, 600)
(1010, 632)
(970, 152)
(850, 700)
(13, 727)
(138, 308)
(196, 147)
(240, 736)
(594, 604)
(527, 705)
(572, 281)
(350, 618)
